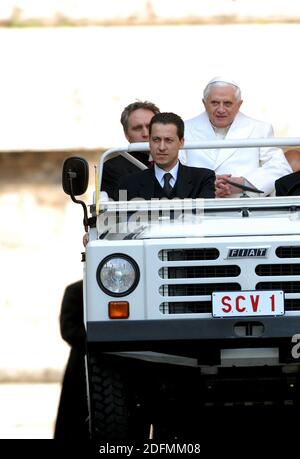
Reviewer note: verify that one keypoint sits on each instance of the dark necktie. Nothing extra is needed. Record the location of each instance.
(167, 187)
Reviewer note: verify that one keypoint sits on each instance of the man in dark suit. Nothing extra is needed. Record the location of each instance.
(168, 178)
(72, 415)
(289, 185)
(135, 120)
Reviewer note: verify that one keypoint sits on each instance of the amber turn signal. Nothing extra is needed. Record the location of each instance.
(118, 309)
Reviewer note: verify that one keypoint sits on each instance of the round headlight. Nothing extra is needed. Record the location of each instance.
(118, 275)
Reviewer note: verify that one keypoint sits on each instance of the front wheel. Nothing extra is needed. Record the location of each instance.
(117, 411)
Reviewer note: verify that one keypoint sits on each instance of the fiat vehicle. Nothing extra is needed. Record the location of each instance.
(187, 302)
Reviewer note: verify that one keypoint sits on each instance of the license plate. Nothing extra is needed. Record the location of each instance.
(250, 303)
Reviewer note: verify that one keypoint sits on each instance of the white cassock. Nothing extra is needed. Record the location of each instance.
(259, 166)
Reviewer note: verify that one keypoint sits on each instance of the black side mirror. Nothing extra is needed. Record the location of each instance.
(75, 180)
(75, 176)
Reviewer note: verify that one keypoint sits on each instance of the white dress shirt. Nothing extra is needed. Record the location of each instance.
(159, 174)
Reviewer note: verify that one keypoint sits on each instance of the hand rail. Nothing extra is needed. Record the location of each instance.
(204, 144)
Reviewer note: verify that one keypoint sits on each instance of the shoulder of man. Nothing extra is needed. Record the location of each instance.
(118, 166)
(289, 180)
(197, 128)
(198, 171)
(74, 289)
(134, 177)
(195, 120)
(111, 164)
(243, 119)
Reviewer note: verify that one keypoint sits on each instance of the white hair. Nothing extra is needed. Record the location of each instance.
(221, 84)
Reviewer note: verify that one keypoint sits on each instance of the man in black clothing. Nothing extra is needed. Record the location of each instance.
(72, 415)
(288, 185)
(168, 178)
(135, 120)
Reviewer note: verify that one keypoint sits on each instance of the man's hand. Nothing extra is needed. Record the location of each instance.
(85, 239)
(223, 188)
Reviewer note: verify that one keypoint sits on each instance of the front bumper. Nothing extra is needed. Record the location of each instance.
(229, 329)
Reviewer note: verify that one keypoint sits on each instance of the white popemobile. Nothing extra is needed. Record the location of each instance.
(210, 286)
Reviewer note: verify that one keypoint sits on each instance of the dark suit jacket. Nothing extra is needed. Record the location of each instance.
(116, 168)
(289, 185)
(71, 316)
(192, 182)
(72, 415)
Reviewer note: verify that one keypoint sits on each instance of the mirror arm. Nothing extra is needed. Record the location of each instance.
(72, 175)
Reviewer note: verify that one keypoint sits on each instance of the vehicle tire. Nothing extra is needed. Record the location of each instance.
(116, 410)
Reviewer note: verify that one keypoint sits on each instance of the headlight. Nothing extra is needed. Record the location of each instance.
(118, 275)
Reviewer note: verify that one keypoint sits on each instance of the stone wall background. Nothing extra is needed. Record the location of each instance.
(41, 242)
(129, 12)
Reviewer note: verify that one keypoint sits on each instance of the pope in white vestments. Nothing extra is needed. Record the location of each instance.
(257, 167)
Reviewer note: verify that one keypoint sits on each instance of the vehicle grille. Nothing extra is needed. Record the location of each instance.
(203, 265)
(287, 287)
(197, 289)
(199, 271)
(278, 270)
(292, 304)
(196, 307)
(188, 254)
(291, 251)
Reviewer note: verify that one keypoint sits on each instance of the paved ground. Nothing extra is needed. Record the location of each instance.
(28, 410)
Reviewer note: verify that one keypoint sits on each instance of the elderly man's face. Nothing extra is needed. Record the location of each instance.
(138, 125)
(222, 106)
